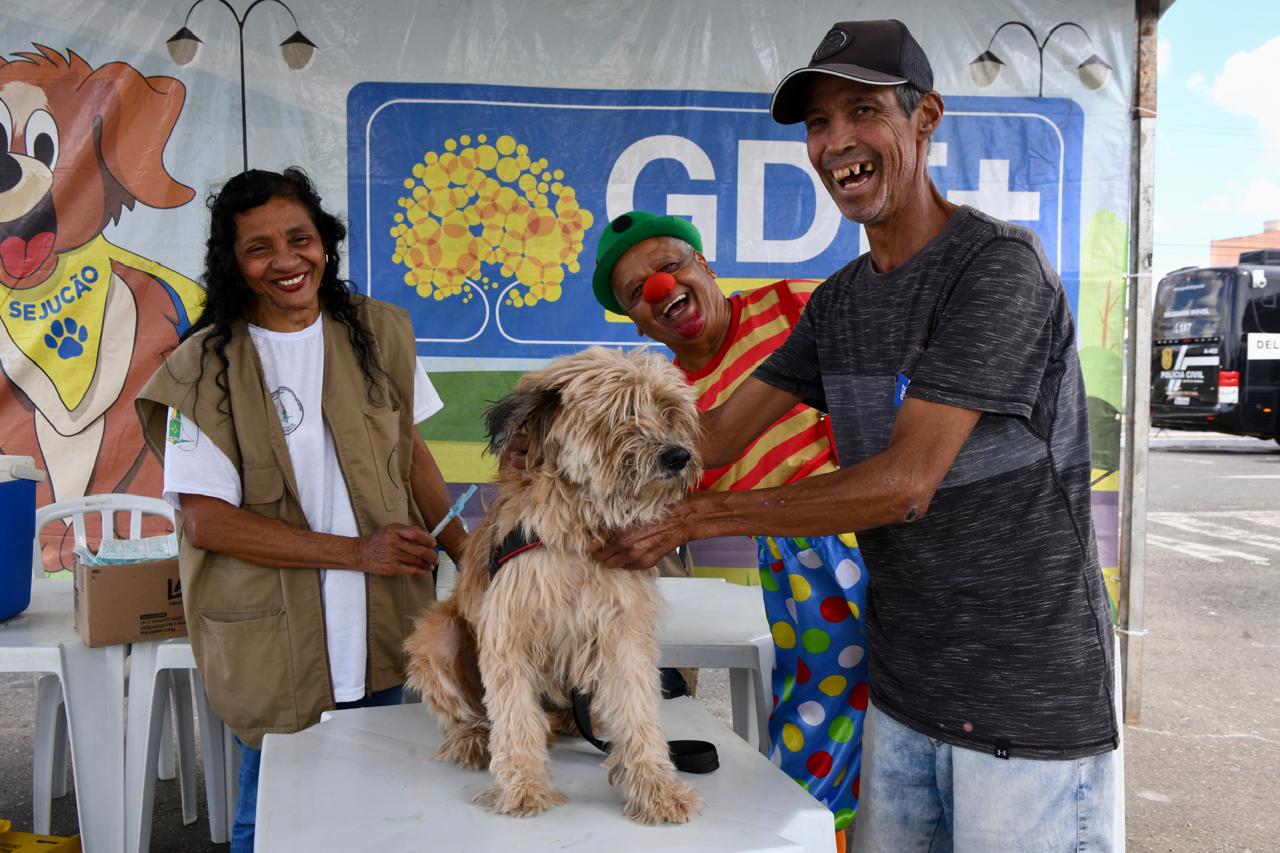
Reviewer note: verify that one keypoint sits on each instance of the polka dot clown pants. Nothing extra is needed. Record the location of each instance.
(814, 596)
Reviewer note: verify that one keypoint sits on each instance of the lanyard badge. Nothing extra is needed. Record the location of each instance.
(900, 390)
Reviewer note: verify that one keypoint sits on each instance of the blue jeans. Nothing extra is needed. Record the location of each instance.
(251, 761)
(920, 795)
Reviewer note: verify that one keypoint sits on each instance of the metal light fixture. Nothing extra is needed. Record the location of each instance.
(183, 46)
(984, 69)
(297, 50)
(1093, 72)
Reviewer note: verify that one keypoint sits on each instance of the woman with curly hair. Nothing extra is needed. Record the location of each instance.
(286, 420)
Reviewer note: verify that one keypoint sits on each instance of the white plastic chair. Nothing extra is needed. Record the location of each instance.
(105, 506)
(49, 765)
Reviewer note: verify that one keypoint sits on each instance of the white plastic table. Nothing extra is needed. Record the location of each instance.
(709, 623)
(44, 639)
(706, 623)
(364, 780)
(147, 661)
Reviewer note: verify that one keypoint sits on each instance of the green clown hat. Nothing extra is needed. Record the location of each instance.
(626, 231)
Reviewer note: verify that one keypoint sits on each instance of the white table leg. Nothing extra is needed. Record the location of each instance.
(93, 693)
(165, 766)
(51, 735)
(180, 701)
(145, 702)
(762, 682)
(740, 702)
(215, 764)
(749, 705)
(59, 786)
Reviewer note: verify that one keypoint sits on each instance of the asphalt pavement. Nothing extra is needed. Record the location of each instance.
(1203, 761)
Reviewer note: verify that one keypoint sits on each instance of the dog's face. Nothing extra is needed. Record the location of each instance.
(617, 431)
(76, 147)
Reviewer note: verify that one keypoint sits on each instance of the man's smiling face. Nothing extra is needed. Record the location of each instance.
(681, 315)
(862, 145)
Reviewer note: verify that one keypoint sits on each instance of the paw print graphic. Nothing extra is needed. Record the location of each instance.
(67, 337)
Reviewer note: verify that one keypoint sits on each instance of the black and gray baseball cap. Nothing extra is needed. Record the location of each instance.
(879, 53)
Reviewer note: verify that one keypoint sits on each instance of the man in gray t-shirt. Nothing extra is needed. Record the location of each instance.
(946, 359)
(992, 602)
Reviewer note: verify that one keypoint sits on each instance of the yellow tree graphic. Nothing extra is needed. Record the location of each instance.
(481, 211)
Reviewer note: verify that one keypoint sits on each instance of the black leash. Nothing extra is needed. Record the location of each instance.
(689, 756)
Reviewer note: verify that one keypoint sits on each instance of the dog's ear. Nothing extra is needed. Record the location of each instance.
(531, 411)
(135, 116)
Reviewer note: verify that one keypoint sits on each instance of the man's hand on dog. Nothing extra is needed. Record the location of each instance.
(639, 548)
(398, 549)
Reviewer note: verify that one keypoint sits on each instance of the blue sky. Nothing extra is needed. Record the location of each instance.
(1217, 126)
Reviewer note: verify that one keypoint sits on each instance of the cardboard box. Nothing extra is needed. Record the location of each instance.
(129, 603)
(25, 842)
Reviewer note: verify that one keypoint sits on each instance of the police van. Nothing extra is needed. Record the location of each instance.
(1216, 348)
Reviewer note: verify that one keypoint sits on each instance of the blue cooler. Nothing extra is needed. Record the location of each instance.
(18, 477)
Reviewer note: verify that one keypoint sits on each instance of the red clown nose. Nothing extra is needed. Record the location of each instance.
(658, 287)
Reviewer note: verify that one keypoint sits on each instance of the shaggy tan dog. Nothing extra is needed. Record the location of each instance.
(612, 439)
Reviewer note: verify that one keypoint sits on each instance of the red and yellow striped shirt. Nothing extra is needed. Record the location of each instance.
(799, 443)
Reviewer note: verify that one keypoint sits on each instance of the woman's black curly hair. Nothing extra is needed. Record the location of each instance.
(228, 297)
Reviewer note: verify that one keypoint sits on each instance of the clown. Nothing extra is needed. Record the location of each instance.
(651, 269)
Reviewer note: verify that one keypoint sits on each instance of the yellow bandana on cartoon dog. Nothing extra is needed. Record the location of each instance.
(58, 324)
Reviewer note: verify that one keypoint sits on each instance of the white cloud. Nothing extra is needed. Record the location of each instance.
(1259, 199)
(1164, 56)
(1247, 87)
(1196, 82)
(1262, 199)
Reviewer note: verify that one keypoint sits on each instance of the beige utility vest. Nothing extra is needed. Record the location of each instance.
(258, 633)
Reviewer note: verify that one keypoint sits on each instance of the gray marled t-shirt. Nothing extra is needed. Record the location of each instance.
(988, 619)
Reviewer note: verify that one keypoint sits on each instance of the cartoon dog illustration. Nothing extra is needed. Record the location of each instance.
(83, 323)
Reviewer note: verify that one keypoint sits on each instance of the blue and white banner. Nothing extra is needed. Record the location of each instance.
(478, 208)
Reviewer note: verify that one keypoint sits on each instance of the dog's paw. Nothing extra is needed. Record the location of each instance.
(522, 799)
(469, 750)
(662, 799)
(66, 338)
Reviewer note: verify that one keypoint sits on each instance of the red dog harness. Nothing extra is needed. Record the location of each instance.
(515, 543)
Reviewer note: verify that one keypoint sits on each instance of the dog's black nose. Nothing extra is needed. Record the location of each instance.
(10, 169)
(674, 459)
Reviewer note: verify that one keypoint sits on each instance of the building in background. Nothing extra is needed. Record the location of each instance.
(1226, 253)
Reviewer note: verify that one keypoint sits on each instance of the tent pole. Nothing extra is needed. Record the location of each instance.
(1137, 416)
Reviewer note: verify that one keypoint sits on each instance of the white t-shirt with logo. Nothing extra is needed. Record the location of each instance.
(194, 465)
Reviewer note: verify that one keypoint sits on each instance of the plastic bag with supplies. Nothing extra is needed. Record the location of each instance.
(116, 552)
